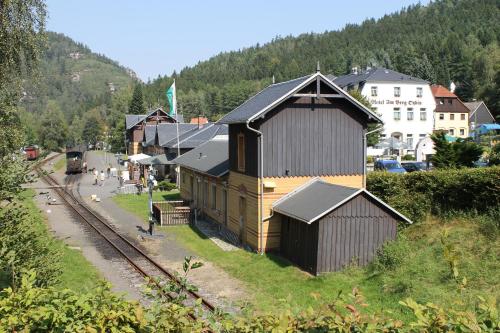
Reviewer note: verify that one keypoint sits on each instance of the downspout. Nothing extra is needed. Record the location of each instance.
(365, 152)
(261, 176)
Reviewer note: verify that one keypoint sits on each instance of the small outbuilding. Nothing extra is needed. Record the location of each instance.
(326, 226)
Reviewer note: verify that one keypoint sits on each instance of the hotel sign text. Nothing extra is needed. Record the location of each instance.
(393, 102)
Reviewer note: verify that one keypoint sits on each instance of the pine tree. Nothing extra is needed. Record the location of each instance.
(136, 105)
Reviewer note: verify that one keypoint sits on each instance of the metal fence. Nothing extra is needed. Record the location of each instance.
(171, 212)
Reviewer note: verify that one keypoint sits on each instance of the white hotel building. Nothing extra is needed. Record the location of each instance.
(405, 103)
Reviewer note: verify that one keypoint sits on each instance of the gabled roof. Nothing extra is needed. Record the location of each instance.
(133, 119)
(376, 74)
(274, 94)
(168, 131)
(211, 158)
(193, 139)
(149, 135)
(318, 198)
(474, 106)
(440, 91)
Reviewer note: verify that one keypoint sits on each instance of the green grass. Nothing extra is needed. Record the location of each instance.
(61, 163)
(77, 273)
(138, 204)
(423, 273)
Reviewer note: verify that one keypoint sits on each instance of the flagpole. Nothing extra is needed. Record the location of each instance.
(178, 170)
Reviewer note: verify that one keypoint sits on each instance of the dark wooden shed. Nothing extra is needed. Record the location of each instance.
(326, 227)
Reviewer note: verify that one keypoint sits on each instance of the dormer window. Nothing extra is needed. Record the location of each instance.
(241, 152)
(397, 91)
(374, 91)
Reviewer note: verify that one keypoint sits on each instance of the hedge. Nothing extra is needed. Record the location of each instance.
(439, 192)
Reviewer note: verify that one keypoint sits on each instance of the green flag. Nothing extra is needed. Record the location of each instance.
(172, 100)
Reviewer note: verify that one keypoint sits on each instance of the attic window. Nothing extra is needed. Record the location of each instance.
(241, 152)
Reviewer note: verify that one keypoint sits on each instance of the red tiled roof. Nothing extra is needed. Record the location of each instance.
(440, 91)
(199, 120)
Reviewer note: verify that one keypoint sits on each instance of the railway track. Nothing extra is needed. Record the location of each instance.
(140, 261)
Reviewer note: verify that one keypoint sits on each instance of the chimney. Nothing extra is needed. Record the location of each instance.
(317, 67)
(354, 70)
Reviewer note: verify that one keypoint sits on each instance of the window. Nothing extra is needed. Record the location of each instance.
(462, 116)
(421, 136)
(423, 114)
(409, 114)
(241, 152)
(450, 101)
(451, 131)
(441, 116)
(214, 197)
(419, 92)
(452, 116)
(409, 140)
(441, 101)
(397, 114)
(397, 91)
(462, 131)
(374, 91)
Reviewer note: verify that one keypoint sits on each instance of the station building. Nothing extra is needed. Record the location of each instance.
(290, 175)
(405, 103)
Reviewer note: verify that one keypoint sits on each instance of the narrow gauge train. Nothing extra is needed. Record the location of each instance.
(32, 152)
(74, 158)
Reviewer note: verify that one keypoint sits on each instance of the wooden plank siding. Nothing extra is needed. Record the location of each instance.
(353, 233)
(300, 242)
(304, 137)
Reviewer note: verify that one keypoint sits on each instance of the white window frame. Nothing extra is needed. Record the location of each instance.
(423, 112)
(374, 91)
(420, 92)
(398, 112)
(397, 91)
(409, 112)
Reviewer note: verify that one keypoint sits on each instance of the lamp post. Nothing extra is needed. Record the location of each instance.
(151, 179)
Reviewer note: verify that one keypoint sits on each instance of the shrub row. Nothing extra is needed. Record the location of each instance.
(439, 192)
(32, 309)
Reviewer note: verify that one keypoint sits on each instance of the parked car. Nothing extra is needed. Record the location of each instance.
(389, 166)
(412, 166)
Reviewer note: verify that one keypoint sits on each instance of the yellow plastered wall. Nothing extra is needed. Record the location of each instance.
(248, 187)
(217, 214)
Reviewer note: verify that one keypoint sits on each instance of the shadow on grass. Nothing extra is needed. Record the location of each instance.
(198, 232)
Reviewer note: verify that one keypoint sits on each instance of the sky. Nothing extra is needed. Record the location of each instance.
(154, 37)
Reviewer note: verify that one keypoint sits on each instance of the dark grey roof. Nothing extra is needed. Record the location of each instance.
(193, 139)
(317, 198)
(149, 135)
(133, 119)
(472, 106)
(168, 132)
(375, 75)
(260, 101)
(155, 160)
(275, 93)
(210, 158)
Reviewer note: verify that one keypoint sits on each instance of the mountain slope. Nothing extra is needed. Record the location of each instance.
(448, 40)
(73, 77)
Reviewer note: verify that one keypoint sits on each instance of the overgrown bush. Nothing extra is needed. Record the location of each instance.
(25, 244)
(392, 254)
(417, 194)
(408, 157)
(166, 186)
(32, 309)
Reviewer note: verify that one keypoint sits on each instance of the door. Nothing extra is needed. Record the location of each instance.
(243, 214)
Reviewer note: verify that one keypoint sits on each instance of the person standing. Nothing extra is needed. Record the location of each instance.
(96, 175)
(102, 177)
(108, 170)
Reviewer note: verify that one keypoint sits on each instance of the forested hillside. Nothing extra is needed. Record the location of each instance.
(72, 81)
(448, 40)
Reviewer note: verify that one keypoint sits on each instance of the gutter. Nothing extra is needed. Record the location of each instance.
(261, 176)
(365, 152)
